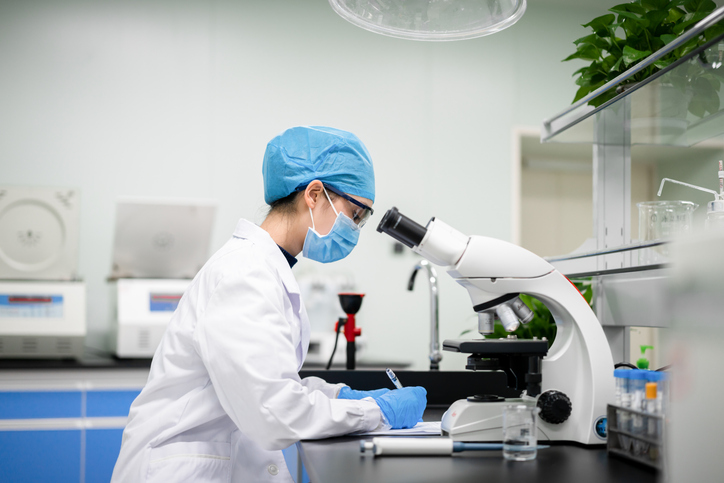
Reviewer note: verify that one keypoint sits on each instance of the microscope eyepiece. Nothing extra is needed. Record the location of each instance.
(401, 228)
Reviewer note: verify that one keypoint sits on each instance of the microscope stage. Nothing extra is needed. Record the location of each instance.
(497, 347)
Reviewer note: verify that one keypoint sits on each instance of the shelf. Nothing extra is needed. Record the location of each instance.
(609, 251)
(659, 106)
(585, 264)
(642, 270)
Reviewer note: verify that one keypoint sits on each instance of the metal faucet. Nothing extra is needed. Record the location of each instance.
(435, 354)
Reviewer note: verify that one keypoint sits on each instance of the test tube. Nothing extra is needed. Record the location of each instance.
(637, 388)
(662, 389)
(650, 404)
(621, 378)
(623, 400)
(637, 382)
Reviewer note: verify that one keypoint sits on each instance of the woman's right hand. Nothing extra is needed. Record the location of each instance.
(403, 408)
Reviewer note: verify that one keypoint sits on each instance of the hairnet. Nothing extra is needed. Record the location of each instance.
(299, 155)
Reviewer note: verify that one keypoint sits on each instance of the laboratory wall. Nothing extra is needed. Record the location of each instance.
(177, 99)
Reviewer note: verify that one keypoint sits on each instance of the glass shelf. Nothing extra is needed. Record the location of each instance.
(583, 264)
(662, 108)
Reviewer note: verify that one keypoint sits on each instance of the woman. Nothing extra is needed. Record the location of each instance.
(224, 395)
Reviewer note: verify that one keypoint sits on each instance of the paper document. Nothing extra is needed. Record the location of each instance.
(423, 428)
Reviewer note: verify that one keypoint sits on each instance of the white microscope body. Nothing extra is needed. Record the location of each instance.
(579, 363)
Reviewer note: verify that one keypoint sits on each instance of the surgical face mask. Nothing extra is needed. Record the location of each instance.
(336, 244)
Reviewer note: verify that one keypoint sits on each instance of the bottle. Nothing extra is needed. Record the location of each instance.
(643, 363)
(662, 390)
(651, 407)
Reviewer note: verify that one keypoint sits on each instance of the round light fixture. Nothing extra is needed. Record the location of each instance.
(432, 20)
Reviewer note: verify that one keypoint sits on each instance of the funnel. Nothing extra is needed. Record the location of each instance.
(351, 302)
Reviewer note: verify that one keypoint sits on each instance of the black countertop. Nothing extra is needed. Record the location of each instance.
(339, 459)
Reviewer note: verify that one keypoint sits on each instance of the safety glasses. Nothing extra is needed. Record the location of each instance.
(362, 212)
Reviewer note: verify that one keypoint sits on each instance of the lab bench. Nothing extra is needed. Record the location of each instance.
(340, 459)
(73, 414)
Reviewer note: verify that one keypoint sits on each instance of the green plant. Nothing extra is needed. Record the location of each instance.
(645, 26)
(542, 324)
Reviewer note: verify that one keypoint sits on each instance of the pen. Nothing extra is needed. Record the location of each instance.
(393, 378)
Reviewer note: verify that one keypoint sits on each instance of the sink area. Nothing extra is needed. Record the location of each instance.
(443, 387)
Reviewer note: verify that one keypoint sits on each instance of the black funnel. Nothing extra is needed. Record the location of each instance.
(351, 302)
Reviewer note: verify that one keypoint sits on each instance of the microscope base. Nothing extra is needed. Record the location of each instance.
(479, 421)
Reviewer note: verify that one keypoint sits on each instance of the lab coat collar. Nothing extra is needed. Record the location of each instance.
(260, 237)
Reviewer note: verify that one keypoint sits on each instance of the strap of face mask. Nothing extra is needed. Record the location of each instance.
(330, 202)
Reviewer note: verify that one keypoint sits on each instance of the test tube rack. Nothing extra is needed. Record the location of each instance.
(637, 436)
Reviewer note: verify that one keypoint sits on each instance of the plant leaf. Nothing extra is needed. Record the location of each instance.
(589, 52)
(686, 48)
(668, 38)
(603, 98)
(688, 21)
(601, 22)
(608, 63)
(618, 63)
(654, 4)
(629, 7)
(664, 63)
(593, 39)
(674, 15)
(699, 6)
(630, 15)
(581, 93)
(631, 55)
(714, 31)
(655, 18)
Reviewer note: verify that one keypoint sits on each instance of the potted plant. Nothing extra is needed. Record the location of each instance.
(633, 31)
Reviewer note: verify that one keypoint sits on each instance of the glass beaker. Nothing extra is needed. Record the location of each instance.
(663, 220)
(520, 441)
(715, 216)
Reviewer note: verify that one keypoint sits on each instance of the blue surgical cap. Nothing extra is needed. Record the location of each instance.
(299, 155)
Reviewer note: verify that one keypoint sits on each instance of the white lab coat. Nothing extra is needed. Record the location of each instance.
(224, 396)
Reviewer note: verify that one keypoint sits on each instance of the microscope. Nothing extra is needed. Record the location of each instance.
(571, 383)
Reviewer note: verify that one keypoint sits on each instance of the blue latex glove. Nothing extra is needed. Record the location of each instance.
(347, 393)
(403, 408)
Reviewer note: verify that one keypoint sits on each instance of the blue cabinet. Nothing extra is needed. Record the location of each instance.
(40, 404)
(45, 436)
(102, 448)
(40, 456)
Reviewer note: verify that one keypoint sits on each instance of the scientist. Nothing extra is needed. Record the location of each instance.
(224, 397)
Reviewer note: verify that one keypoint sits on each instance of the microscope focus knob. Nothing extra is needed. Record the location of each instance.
(555, 407)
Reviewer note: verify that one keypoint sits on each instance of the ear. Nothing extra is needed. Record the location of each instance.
(313, 192)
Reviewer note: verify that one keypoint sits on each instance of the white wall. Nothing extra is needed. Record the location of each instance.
(178, 99)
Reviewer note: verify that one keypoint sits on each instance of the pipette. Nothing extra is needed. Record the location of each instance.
(425, 446)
